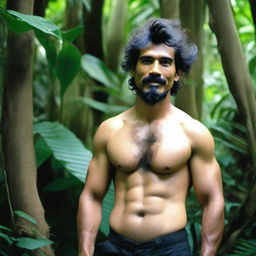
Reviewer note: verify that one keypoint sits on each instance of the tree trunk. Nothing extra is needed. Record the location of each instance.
(73, 18)
(199, 18)
(169, 9)
(92, 23)
(94, 46)
(253, 11)
(40, 7)
(189, 98)
(19, 158)
(235, 67)
(3, 42)
(76, 116)
(241, 87)
(115, 32)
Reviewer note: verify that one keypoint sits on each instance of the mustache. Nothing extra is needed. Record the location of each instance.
(153, 79)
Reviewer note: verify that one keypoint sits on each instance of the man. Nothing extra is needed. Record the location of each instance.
(154, 152)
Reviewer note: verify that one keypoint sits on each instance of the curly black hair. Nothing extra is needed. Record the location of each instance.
(162, 31)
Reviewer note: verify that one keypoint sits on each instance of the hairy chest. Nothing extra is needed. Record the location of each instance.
(163, 149)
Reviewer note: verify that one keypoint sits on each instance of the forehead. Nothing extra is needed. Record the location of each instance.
(158, 50)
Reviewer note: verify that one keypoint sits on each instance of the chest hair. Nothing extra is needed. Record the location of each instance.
(145, 141)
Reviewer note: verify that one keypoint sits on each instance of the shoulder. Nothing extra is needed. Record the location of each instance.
(199, 136)
(107, 128)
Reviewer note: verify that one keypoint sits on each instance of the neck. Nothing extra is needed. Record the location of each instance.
(150, 113)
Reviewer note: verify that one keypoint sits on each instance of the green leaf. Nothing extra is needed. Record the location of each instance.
(5, 228)
(228, 138)
(43, 152)
(245, 247)
(108, 204)
(72, 34)
(6, 238)
(2, 253)
(37, 22)
(97, 70)
(121, 94)
(31, 243)
(218, 105)
(25, 216)
(66, 148)
(104, 107)
(230, 145)
(62, 184)
(68, 65)
(252, 65)
(50, 45)
(14, 24)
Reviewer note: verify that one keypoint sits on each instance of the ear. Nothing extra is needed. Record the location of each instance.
(177, 75)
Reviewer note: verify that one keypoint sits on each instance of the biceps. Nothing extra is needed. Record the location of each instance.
(206, 178)
(98, 177)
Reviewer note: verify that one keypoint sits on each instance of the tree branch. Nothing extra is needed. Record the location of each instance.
(241, 87)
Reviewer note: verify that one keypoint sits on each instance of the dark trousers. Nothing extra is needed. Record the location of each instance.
(174, 244)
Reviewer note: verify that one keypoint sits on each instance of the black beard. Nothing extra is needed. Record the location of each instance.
(152, 96)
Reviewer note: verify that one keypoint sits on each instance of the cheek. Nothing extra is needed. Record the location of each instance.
(170, 81)
(140, 72)
(139, 75)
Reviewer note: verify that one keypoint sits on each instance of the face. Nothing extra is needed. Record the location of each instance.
(155, 72)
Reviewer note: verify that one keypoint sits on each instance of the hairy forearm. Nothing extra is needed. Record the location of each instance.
(88, 221)
(212, 227)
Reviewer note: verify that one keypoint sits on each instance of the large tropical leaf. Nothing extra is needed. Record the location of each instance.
(108, 204)
(43, 152)
(15, 25)
(65, 147)
(50, 45)
(19, 23)
(68, 65)
(71, 153)
(105, 108)
(97, 69)
(72, 34)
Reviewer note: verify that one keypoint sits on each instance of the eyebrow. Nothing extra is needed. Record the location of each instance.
(147, 57)
(168, 59)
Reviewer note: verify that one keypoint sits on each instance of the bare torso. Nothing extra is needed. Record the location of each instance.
(151, 175)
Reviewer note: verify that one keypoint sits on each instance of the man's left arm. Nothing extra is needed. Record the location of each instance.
(207, 184)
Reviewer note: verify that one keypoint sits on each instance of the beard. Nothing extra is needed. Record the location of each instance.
(152, 96)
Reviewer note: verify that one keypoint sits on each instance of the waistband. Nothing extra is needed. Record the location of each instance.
(168, 239)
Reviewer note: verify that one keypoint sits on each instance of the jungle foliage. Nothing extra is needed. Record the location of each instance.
(78, 83)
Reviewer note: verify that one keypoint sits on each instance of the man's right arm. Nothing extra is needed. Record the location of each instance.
(96, 186)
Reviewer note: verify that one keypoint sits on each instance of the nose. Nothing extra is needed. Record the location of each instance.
(155, 69)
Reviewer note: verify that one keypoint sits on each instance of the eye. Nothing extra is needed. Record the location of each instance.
(146, 60)
(166, 62)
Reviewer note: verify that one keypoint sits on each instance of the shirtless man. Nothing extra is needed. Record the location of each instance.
(154, 152)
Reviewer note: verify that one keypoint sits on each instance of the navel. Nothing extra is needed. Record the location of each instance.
(141, 214)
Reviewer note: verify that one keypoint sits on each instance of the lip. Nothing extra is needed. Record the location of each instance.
(153, 84)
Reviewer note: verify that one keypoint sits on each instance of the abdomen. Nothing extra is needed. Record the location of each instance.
(148, 204)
